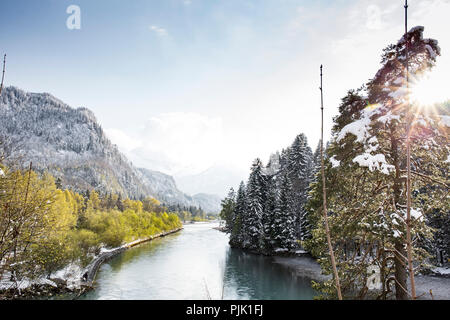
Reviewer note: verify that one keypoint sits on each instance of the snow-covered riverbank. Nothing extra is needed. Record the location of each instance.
(438, 283)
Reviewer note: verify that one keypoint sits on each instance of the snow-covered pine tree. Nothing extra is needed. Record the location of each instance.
(316, 161)
(300, 167)
(256, 199)
(284, 160)
(268, 222)
(387, 136)
(273, 166)
(438, 217)
(352, 203)
(227, 212)
(283, 226)
(365, 175)
(237, 235)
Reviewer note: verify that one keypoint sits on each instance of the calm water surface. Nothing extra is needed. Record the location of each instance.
(195, 263)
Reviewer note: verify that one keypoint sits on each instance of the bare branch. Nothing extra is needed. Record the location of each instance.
(427, 177)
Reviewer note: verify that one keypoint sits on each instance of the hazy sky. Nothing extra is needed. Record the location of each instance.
(182, 85)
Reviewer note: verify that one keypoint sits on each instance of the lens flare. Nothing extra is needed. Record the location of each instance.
(427, 91)
(422, 93)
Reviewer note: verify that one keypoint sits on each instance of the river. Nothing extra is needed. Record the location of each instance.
(196, 263)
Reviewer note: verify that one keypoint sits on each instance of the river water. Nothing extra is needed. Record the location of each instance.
(196, 263)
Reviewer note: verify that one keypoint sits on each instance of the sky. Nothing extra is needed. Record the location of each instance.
(185, 85)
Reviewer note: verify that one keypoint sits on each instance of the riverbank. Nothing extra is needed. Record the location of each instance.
(433, 286)
(91, 270)
(306, 266)
(73, 280)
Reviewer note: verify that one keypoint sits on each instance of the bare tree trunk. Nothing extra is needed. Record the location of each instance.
(325, 214)
(401, 290)
(408, 165)
(3, 74)
(399, 252)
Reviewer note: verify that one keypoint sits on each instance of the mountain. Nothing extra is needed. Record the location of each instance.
(208, 202)
(67, 142)
(166, 190)
(71, 145)
(216, 180)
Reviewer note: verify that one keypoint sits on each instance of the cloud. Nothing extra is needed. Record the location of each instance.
(374, 18)
(161, 32)
(176, 142)
(124, 142)
(262, 111)
(187, 2)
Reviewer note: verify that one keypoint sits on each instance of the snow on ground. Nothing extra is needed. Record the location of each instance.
(442, 271)
(71, 274)
(6, 283)
(105, 250)
(281, 250)
(307, 267)
(304, 267)
(439, 286)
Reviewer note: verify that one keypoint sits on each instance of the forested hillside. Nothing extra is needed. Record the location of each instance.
(67, 142)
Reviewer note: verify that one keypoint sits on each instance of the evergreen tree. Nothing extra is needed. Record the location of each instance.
(237, 235)
(256, 198)
(284, 160)
(365, 176)
(300, 168)
(316, 161)
(268, 219)
(283, 225)
(227, 212)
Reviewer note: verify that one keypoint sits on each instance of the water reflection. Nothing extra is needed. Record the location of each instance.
(250, 276)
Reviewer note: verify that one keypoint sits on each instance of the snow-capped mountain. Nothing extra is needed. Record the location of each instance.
(71, 145)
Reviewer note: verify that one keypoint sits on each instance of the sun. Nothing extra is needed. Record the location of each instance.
(422, 93)
(428, 91)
